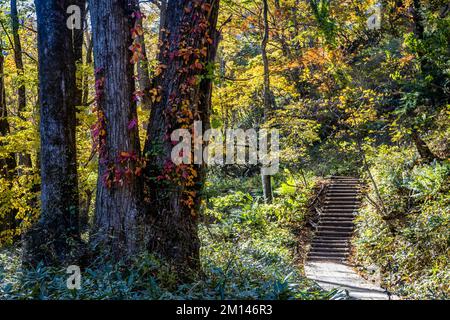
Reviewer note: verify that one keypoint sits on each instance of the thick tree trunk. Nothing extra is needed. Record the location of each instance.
(54, 237)
(189, 45)
(268, 97)
(118, 191)
(24, 159)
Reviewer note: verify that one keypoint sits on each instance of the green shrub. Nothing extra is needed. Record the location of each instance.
(410, 240)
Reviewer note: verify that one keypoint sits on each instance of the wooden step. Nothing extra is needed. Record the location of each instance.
(331, 239)
(335, 228)
(336, 220)
(332, 223)
(332, 244)
(328, 246)
(337, 234)
(350, 187)
(337, 223)
(343, 193)
(324, 259)
(343, 215)
(345, 181)
(341, 206)
(337, 202)
(329, 254)
(337, 216)
(341, 197)
(343, 177)
(342, 251)
(340, 210)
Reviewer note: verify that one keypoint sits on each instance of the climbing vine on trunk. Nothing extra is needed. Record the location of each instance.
(181, 94)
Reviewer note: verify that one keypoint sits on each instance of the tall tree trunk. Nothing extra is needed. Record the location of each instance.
(7, 164)
(268, 97)
(54, 237)
(24, 158)
(142, 68)
(419, 29)
(145, 83)
(118, 191)
(89, 49)
(189, 46)
(78, 35)
(162, 22)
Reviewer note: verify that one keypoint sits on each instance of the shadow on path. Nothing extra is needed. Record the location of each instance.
(331, 275)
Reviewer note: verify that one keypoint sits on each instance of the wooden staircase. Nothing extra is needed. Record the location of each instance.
(336, 223)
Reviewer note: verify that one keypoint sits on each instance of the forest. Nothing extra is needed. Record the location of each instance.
(224, 149)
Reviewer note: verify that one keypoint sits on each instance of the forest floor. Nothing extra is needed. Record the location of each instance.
(331, 275)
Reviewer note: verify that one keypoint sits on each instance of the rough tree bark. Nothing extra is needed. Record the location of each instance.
(54, 238)
(24, 159)
(268, 97)
(189, 45)
(118, 192)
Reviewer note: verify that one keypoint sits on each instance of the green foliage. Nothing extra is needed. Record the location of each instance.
(20, 198)
(410, 241)
(247, 253)
(321, 11)
(336, 85)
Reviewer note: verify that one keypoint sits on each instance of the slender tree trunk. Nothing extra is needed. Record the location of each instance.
(84, 211)
(24, 159)
(145, 83)
(162, 22)
(118, 192)
(89, 49)
(268, 97)
(419, 29)
(55, 236)
(78, 35)
(189, 46)
(143, 70)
